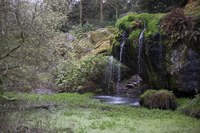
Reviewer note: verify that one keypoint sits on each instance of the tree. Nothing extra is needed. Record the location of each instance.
(101, 11)
(81, 12)
(27, 33)
(155, 6)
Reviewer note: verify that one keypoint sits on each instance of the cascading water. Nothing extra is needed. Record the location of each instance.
(109, 73)
(141, 40)
(121, 54)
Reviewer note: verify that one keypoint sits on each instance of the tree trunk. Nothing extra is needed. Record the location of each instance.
(1, 88)
(116, 12)
(101, 11)
(81, 12)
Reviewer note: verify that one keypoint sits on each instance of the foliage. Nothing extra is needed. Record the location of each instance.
(181, 28)
(79, 31)
(79, 113)
(193, 8)
(72, 74)
(161, 99)
(155, 6)
(26, 38)
(192, 108)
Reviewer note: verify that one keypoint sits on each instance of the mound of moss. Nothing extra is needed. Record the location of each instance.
(192, 108)
(161, 99)
(134, 23)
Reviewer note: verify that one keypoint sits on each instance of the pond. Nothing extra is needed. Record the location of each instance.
(118, 100)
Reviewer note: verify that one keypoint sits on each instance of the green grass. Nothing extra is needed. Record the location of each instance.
(191, 107)
(81, 114)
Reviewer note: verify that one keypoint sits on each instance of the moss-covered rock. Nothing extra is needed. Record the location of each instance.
(132, 25)
(100, 34)
(102, 47)
(192, 108)
(161, 99)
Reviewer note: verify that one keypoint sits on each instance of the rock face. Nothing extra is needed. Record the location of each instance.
(167, 62)
(186, 69)
(173, 68)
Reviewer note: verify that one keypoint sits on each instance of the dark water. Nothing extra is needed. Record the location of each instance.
(116, 100)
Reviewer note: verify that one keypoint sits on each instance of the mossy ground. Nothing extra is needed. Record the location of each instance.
(192, 108)
(81, 114)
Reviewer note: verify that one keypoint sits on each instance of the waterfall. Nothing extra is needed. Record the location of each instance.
(110, 73)
(121, 54)
(141, 40)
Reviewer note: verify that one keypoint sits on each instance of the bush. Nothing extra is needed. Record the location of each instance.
(79, 30)
(161, 99)
(181, 28)
(72, 74)
(192, 108)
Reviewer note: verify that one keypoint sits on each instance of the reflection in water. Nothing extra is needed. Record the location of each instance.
(118, 100)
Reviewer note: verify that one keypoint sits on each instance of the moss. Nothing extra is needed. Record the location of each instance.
(100, 34)
(136, 21)
(134, 34)
(161, 99)
(103, 47)
(192, 108)
(146, 95)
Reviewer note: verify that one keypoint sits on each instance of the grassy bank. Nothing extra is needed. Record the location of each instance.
(81, 114)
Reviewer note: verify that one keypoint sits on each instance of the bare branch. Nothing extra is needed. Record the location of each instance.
(5, 70)
(11, 51)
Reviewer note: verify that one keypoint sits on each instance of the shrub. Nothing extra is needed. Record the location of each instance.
(192, 108)
(161, 99)
(79, 30)
(75, 73)
(181, 28)
(72, 76)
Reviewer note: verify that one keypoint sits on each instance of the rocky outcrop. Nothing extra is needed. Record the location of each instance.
(185, 69)
(167, 61)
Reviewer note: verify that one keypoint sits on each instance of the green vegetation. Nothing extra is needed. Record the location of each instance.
(181, 28)
(72, 74)
(192, 108)
(79, 113)
(79, 31)
(162, 99)
(134, 23)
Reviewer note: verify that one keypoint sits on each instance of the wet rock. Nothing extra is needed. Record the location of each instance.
(185, 69)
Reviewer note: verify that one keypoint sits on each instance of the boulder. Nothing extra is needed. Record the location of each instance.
(184, 68)
(99, 35)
